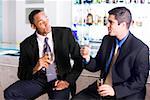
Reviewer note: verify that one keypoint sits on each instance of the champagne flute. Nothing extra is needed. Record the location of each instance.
(85, 49)
(100, 81)
(51, 56)
(51, 71)
(84, 42)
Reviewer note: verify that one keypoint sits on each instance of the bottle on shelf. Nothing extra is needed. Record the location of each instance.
(87, 1)
(105, 19)
(77, 2)
(107, 1)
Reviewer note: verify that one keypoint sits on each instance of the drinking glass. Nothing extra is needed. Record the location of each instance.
(100, 81)
(84, 42)
(51, 56)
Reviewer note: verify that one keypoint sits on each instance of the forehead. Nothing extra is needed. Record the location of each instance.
(112, 18)
(39, 16)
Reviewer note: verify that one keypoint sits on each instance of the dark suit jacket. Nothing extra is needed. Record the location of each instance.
(65, 47)
(130, 72)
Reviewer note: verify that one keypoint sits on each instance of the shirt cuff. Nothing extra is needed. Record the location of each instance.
(86, 61)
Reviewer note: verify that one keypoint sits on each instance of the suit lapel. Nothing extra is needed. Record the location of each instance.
(108, 44)
(34, 45)
(54, 39)
(109, 48)
(124, 49)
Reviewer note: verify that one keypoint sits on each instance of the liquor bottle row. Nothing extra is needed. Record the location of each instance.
(91, 20)
(101, 20)
(111, 1)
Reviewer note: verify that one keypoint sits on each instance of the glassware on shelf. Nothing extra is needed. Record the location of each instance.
(84, 42)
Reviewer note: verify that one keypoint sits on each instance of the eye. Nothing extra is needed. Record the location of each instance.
(110, 21)
(47, 20)
(40, 23)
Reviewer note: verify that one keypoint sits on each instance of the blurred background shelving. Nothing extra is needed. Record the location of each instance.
(89, 19)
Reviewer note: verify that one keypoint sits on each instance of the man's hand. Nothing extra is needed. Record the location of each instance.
(43, 62)
(60, 85)
(85, 52)
(106, 90)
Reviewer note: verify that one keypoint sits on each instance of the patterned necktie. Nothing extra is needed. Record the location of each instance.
(51, 70)
(46, 49)
(46, 46)
(109, 76)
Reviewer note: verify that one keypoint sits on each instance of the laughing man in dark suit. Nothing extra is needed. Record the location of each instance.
(33, 81)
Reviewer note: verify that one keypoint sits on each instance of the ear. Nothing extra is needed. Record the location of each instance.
(123, 24)
(33, 26)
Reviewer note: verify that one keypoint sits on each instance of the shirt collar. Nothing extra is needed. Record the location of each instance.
(41, 37)
(121, 41)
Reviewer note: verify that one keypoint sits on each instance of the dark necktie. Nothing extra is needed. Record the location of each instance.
(51, 70)
(46, 50)
(109, 76)
(46, 46)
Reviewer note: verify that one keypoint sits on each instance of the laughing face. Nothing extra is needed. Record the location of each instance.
(41, 23)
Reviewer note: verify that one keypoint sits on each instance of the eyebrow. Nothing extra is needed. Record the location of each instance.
(39, 21)
(110, 21)
(42, 20)
(45, 17)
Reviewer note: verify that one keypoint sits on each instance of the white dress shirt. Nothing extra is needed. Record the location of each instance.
(40, 40)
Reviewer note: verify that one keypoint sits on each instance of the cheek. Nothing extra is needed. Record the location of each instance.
(113, 31)
(40, 30)
(114, 28)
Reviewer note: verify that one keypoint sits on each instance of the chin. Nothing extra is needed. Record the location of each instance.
(110, 34)
(45, 33)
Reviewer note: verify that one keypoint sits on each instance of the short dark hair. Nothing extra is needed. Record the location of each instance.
(122, 14)
(89, 14)
(32, 14)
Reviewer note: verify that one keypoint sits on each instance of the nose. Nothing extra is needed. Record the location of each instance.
(46, 23)
(108, 24)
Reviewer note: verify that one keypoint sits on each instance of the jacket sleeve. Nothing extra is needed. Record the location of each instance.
(74, 50)
(24, 69)
(96, 63)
